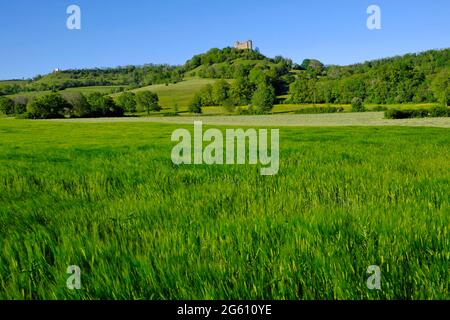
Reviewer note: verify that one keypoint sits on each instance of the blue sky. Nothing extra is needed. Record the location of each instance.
(34, 38)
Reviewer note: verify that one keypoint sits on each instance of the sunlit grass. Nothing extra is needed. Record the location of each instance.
(106, 197)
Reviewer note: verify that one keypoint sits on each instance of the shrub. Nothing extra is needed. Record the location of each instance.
(148, 101)
(6, 105)
(50, 106)
(314, 110)
(246, 111)
(417, 113)
(103, 106)
(440, 112)
(80, 106)
(170, 114)
(194, 107)
(20, 108)
(379, 108)
(264, 97)
(358, 105)
(127, 101)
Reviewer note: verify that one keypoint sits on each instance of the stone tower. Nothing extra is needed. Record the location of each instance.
(247, 45)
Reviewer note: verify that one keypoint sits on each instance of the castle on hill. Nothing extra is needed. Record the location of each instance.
(246, 45)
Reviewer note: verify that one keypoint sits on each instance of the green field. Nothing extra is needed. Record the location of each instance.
(180, 94)
(106, 197)
(88, 90)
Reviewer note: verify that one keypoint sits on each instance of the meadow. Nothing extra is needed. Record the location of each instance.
(179, 94)
(106, 197)
(350, 119)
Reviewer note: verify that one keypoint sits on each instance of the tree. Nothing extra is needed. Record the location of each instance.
(313, 66)
(299, 90)
(196, 104)
(241, 91)
(50, 106)
(6, 105)
(127, 101)
(358, 105)
(148, 101)
(264, 97)
(20, 104)
(220, 92)
(206, 94)
(441, 88)
(80, 106)
(103, 106)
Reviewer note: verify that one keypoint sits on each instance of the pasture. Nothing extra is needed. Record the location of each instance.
(179, 94)
(363, 119)
(105, 196)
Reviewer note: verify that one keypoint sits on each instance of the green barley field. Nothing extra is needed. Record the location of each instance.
(107, 198)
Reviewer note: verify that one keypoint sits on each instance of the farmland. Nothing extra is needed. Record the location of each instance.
(105, 196)
(284, 120)
(179, 94)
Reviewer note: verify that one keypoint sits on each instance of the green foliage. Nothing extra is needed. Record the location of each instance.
(313, 67)
(148, 101)
(196, 104)
(358, 105)
(103, 106)
(441, 87)
(6, 106)
(379, 108)
(50, 106)
(125, 76)
(72, 105)
(80, 105)
(314, 110)
(220, 92)
(241, 91)
(215, 56)
(127, 101)
(417, 113)
(413, 78)
(264, 97)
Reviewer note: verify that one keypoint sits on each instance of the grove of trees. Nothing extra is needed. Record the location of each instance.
(414, 78)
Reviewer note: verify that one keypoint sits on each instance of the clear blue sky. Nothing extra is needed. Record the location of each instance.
(34, 38)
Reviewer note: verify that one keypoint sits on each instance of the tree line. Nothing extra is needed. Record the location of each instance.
(412, 78)
(129, 77)
(260, 95)
(415, 78)
(77, 105)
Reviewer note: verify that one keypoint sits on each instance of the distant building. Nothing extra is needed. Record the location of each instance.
(247, 45)
(56, 70)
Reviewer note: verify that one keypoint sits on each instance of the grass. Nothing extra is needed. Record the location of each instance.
(106, 197)
(285, 120)
(180, 94)
(88, 90)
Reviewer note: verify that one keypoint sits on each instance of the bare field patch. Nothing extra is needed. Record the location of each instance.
(291, 120)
